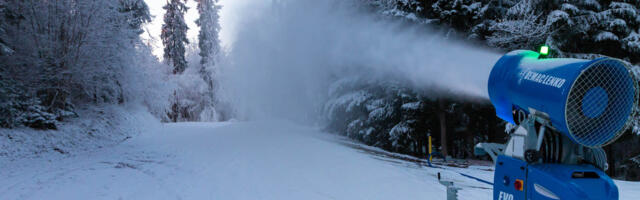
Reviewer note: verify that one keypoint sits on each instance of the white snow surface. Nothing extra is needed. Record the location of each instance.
(239, 160)
(95, 127)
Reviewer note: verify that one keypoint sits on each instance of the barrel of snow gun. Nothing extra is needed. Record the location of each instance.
(589, 102)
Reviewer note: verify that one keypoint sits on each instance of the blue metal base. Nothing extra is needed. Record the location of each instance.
(550, 181)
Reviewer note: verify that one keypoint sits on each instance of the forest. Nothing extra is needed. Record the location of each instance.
(67, 59)
(393, 115)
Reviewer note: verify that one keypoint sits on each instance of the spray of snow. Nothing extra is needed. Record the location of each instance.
(286, 53)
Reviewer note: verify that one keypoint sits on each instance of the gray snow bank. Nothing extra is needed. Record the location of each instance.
(94, 128)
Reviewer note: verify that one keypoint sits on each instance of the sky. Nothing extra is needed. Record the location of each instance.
(228, 17)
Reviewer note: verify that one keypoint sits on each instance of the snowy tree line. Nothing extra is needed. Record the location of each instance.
(395, 116)
(194, 67)
(572, 28)
(60, 56)
(389, 113)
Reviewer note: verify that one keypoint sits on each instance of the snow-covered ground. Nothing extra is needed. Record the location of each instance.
(240, 160)
(95, 127)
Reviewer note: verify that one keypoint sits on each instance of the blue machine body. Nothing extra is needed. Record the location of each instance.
(521, 81)
(591, 102)
(508, 74)
(550, 181)
(508, 171)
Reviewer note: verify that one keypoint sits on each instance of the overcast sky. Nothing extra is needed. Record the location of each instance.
(229, 13)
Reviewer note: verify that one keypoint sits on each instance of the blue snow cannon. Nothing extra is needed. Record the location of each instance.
(564, 111)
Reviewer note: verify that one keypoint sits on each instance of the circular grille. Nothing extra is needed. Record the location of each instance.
(600, 103)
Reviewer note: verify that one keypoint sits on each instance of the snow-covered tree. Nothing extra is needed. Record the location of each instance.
(390, 115)
(193, 99)
(65, 53)
(137, 13)
(210, 50)
(573, 28)
(593, 27)
(459, 14)
(4, 49)
(208, 38)
(522, 28)
(174, 35)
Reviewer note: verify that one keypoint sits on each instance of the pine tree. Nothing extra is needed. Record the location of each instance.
(210, 49)
(4, 49)
(459, 14)
(209, 41)
(521, 28)
(174, 35)
(137, 13)
(209, 30)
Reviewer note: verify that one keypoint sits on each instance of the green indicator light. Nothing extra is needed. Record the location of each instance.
(544, 50)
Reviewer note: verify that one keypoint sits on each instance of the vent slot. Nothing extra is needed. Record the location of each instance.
(585, 175)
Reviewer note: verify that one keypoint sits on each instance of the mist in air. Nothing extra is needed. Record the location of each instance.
(285, 55)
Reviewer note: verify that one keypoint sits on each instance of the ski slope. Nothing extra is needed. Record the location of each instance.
(240, 160)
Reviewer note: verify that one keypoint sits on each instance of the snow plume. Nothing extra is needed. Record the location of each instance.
(286, 53)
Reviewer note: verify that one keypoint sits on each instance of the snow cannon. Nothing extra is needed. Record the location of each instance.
(590, 101)
(562, 112)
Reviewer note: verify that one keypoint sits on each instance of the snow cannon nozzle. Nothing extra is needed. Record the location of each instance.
(556, 107)
(589, 101)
